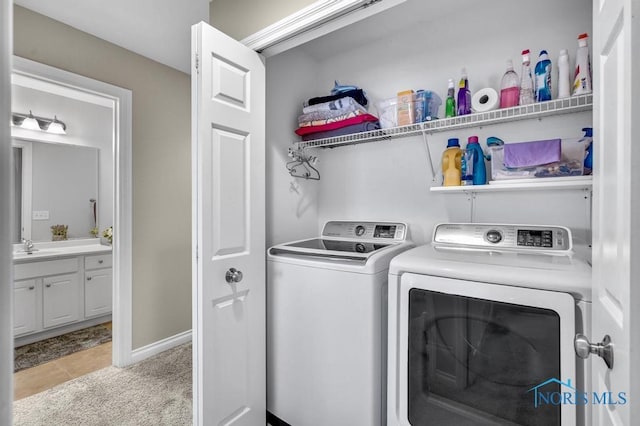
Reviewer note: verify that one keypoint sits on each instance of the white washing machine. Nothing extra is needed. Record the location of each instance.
(481, 328)
(326, 325)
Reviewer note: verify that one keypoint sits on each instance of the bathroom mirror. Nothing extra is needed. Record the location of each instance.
(55, 184)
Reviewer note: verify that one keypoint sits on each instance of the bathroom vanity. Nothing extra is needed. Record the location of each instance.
(60, 287)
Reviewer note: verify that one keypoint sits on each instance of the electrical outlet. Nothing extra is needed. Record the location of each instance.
(41, 215)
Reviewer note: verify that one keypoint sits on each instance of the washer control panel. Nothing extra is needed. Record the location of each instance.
(393, 231)
(520, 237)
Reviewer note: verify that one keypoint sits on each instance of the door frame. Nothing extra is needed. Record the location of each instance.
(119, 100)
(6, 182)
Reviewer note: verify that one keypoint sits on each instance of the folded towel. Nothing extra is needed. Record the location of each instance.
(336, 117)
(336, 124)
(358, 95)
(365, 126)
(330, 109)
(528, 154)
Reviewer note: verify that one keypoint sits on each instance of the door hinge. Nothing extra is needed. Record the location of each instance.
(197, 64)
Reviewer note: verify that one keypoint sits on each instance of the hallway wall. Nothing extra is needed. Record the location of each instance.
(161, 164)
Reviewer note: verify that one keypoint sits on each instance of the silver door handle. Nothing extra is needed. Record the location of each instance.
(48, 285)
(233, 276)
(604, 349)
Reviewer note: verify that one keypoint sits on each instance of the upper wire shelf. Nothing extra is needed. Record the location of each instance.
(522, 112)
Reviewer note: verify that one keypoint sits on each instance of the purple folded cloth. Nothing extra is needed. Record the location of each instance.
(528, 154)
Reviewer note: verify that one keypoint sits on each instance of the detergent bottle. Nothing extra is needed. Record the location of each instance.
(479, 168)
(582, 76)
(564, 90)
(467, 167)
(543, 77)
(451, 163)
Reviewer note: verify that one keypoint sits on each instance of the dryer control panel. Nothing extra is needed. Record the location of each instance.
(388, 231)
(517, 237)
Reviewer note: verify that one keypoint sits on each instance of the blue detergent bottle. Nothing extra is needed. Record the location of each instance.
(543, 77)
(479, 169)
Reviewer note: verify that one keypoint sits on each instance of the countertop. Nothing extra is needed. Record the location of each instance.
(51, 250)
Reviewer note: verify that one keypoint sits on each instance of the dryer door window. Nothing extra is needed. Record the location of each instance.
(473, 361)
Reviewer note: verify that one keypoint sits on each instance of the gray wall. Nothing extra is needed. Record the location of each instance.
(242, 18)
(161, 164)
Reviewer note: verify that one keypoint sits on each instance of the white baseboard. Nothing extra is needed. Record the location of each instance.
(155, 348)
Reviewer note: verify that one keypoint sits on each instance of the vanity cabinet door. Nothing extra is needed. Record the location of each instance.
(97, 292)
(61, 299)
(25, 307)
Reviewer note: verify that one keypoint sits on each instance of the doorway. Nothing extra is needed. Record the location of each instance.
(115, 206)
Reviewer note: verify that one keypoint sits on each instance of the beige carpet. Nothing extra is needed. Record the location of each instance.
(156, 391)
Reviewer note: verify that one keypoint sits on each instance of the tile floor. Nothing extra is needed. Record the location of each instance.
(45, 376)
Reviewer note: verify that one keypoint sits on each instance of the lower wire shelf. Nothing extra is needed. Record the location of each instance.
(570, 182)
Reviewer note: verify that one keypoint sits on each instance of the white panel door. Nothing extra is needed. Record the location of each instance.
(228, 99)
(616, 220)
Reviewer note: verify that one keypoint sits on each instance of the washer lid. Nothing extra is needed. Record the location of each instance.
(563, 271)
(348, 250)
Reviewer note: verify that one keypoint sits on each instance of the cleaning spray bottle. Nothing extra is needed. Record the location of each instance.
(450, 106)
(509, 88)
(464, 95)
(526, 80)
(451, 163)
(587, 139)
(543, 77)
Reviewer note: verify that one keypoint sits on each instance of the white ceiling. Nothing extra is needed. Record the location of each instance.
(157, 29)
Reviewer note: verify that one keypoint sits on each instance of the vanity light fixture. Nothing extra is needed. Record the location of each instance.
(31, 122)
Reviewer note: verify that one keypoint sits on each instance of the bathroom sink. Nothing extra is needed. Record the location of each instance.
(21, 254)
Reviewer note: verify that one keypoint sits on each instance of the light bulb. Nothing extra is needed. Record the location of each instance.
(56, 127)
(30, 123)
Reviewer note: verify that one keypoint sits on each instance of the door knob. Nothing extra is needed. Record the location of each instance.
(604, 349)
(233, 276)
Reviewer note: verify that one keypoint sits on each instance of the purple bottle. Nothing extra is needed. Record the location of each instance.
(464, 95)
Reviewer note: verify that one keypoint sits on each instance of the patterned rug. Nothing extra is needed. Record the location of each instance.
(28, 356)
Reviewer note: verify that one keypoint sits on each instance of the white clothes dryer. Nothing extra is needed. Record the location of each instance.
(326, 325)
(481, 328)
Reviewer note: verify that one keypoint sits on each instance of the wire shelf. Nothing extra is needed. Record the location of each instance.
(518, 185)
(523, 112)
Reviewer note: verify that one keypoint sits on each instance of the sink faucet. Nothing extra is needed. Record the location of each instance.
(28, 246)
